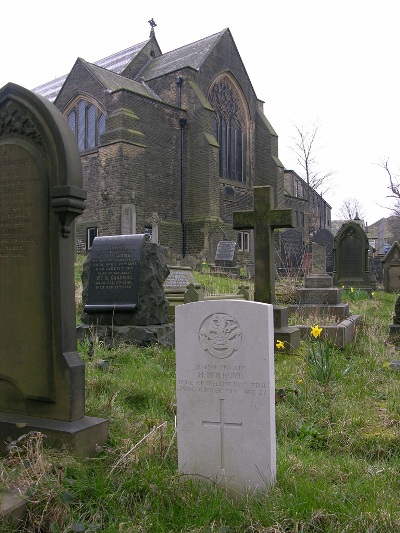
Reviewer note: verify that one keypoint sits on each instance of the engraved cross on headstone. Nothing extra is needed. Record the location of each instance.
(264, 220)
(222, 425)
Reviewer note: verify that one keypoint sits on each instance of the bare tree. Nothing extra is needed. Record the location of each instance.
(350, 209)
(305, 148)
(394, 185)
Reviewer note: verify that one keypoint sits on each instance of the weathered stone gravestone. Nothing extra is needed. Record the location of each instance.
(325, 238)
(226, 254)
(291, 251)
(391, 268)
(123, 291)
(42, 377)
(226, 393)
(351, 248)
(263, 221)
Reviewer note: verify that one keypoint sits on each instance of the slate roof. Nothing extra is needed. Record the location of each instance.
(191, 55)
(114, 63)
(115, 82)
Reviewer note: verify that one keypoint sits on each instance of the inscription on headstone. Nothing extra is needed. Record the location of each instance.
(179, 278)
(114, 273)
(226, 254)
(226, 392)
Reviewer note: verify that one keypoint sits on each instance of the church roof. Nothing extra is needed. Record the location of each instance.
(191, 55)
(114, 63)
(115, 82)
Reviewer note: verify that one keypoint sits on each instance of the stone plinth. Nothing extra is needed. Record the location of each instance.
(318, 281)
(319, 296)
(289, 335)
(80, 436)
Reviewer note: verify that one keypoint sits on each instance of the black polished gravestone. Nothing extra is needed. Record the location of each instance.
(114, 274)
(42, 377)
(123, 291)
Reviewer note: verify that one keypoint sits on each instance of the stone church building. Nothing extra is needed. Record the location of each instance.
(171, 143)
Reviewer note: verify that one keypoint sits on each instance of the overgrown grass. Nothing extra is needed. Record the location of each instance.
(338, 448)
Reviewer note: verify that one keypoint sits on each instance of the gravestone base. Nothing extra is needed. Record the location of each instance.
(12, 507)
(224, 270)
(80, 436)
(322, 296)
(338, 312)
(112, 336)
(289, 335)
(318, 281)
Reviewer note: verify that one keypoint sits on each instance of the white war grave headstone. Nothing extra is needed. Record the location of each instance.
(226, 393)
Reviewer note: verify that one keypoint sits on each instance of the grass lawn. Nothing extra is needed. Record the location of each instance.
(338, 447)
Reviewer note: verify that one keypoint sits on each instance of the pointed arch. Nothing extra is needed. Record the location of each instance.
(86, 118)
(231, 127)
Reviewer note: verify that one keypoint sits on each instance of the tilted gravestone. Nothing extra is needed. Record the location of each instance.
(226, 393)
(123, 294)
(351, 249)
(391, 268)
(42, 377)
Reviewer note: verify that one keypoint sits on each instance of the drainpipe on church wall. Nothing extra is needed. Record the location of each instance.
(182, 123)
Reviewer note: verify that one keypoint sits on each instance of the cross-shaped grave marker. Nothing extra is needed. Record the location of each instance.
(264, 220)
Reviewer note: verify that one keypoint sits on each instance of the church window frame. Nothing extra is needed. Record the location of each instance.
(86, 118)
(243, 241)
(231, 128)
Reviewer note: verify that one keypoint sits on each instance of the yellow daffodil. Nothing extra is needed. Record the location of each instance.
(280, 344)
(300, 382)
(352, 289)
(342, 286)
(316, 331)
(372, 294)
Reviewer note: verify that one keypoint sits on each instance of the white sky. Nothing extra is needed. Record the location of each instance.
(308, 60)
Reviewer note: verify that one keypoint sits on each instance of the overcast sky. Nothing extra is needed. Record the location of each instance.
(308, 60)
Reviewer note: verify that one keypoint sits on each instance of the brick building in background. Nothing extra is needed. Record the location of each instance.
(171, 144)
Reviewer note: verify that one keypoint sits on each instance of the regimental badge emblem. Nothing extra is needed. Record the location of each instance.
(220, 335)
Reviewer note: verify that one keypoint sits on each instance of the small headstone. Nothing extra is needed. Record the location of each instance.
(318, 267)
(42, 377)
(178, 279)
(226, 254)
(325, 238)
(391, 268)
(226, 392)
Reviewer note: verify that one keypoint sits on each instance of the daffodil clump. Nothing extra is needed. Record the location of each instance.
(319, 358)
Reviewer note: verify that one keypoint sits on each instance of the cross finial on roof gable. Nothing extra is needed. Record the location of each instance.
(153, 25)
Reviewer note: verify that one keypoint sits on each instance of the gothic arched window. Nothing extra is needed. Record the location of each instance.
(87, 122)
(230, 129)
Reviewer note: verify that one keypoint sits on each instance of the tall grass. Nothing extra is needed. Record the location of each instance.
(338, 449)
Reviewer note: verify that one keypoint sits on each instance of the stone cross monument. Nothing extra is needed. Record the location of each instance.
(264, 220)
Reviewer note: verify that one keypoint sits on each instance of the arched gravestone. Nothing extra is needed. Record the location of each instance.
(41, 374)
(351, 248)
